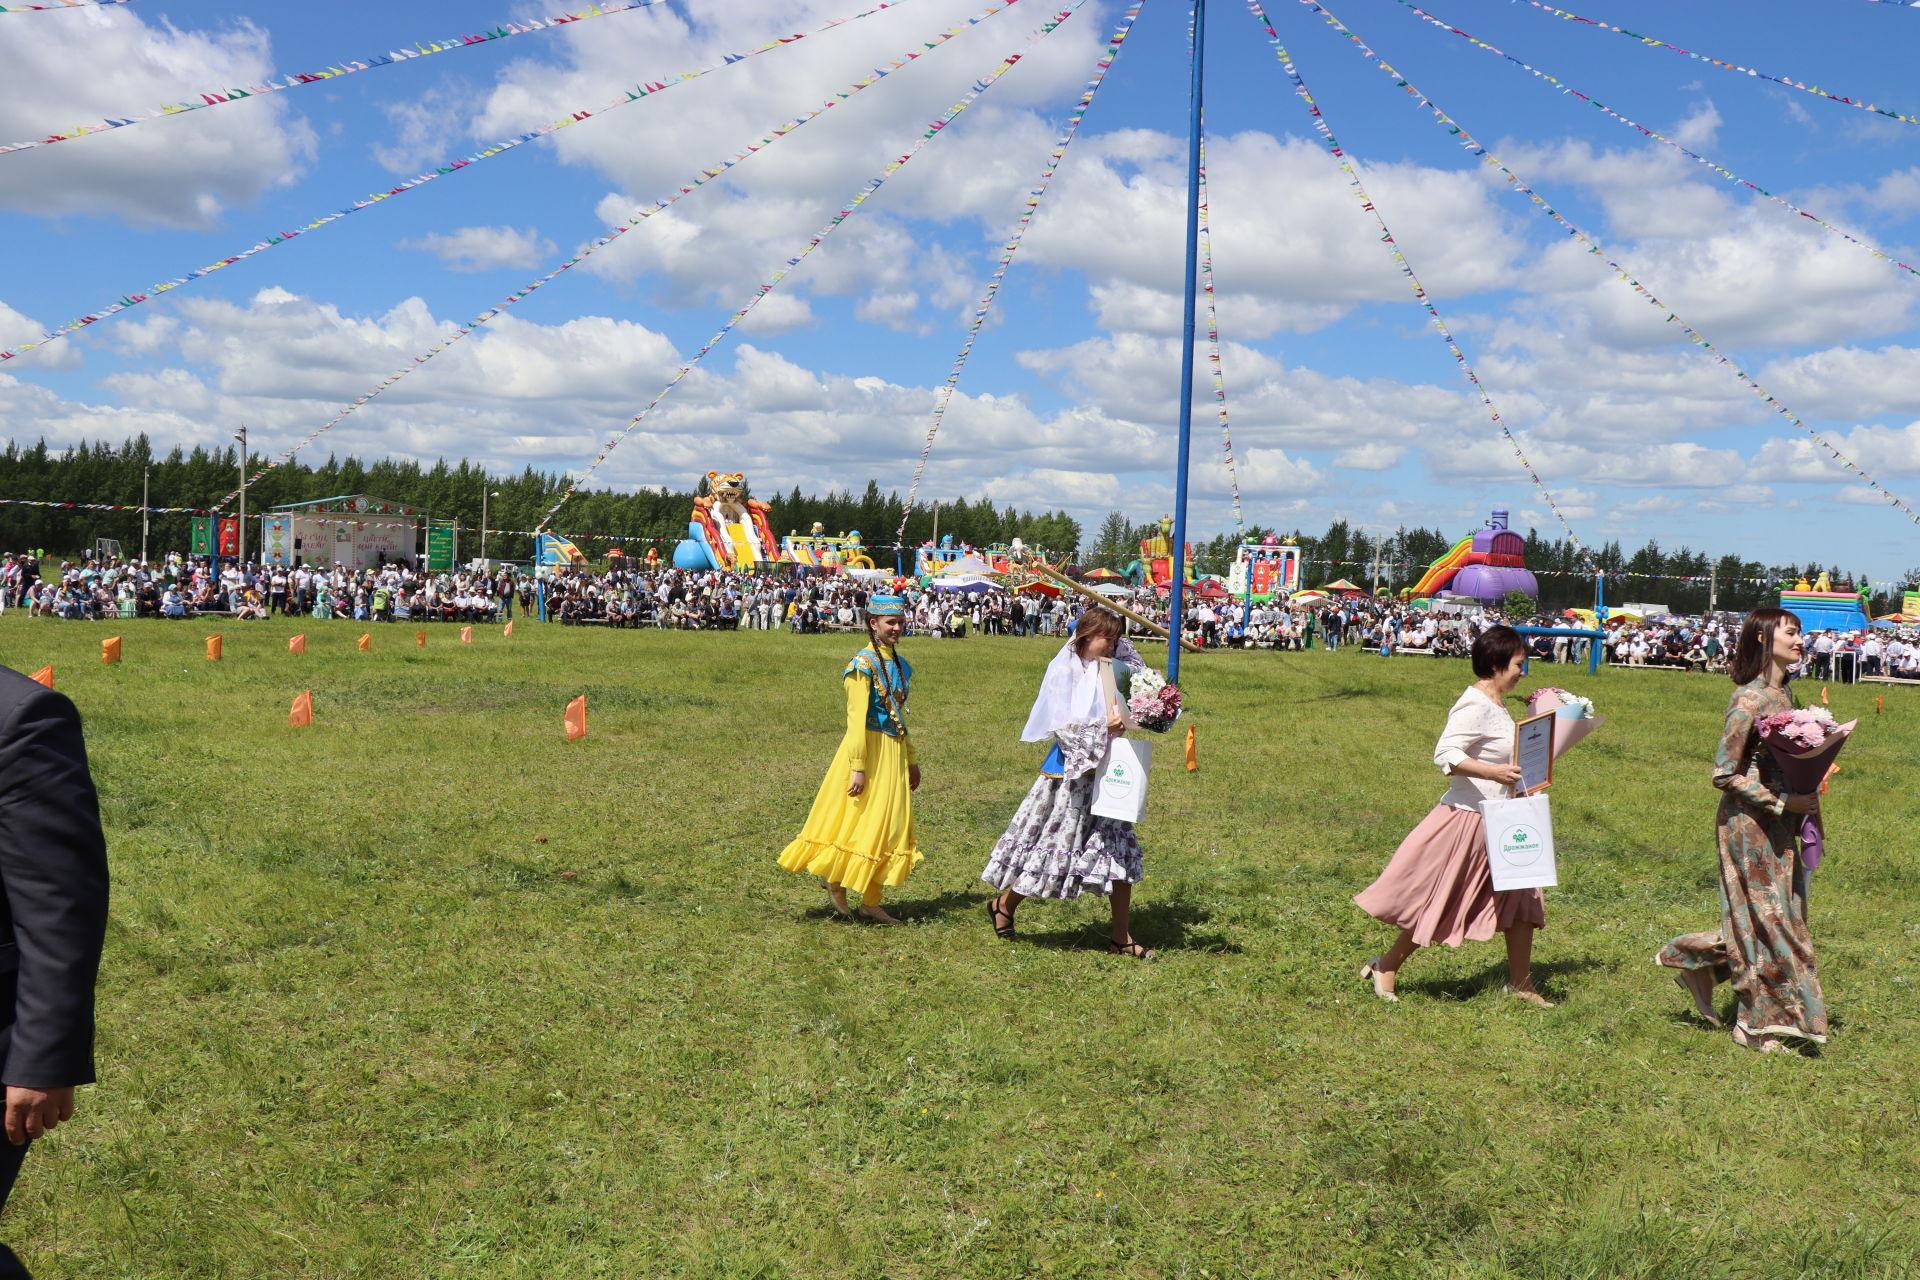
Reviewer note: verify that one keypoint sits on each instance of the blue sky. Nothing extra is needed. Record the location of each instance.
(1344, 402)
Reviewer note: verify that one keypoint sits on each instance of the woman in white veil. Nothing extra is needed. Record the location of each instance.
(1055, 847)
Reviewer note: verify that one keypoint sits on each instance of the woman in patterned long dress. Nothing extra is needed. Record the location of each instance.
(859, 834)
(1762, 946)
(1437, 887)
(1055, 847)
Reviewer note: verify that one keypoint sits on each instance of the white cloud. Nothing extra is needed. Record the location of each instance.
(485, 248)
(181, 171)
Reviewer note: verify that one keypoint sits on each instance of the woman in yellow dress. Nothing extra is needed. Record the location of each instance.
(859, 836)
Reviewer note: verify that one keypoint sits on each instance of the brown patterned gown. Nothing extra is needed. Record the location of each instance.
(1762, 945)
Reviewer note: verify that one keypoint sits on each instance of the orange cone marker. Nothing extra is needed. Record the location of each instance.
(420, 638)
(213, 648)
(298, 644)
(110, 649)
(302, 712)
(576, 719)
(366, 643)
(44, 676)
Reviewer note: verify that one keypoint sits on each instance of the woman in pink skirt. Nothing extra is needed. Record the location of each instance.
(1438, 887)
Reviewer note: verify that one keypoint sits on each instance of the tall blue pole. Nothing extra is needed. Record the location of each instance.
(1177, 596)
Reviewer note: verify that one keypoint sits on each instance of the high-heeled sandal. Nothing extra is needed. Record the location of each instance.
(1370, 973)
(1137, 950)
(996, 913)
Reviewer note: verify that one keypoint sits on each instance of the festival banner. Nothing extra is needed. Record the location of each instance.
(687, 188)
(635, 94)
(276, 540)
(1406, 269)
(1032, 206)
(200, 536)
(1479, 150)
(874, 184)
(440, 545)
(223, 95)
(229, 536)
(1910, 603)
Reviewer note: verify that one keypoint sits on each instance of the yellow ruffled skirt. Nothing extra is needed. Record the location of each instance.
(864, 843)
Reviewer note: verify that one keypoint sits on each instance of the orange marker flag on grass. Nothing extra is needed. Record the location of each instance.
(466, 635)
(1823, 697)
(110, 649)
(1879, 701)
(576, 719)
(366, 643)
(213, 648)
(420, 638)
(508, 631)
(1193, 761)
(302, 713)
(43, 676)
(298, 644)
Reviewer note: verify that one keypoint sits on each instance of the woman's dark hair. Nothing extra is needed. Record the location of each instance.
(1755, 645)
(1095, 621)
(1495, 651)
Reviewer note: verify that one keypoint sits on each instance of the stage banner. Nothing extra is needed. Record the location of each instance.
(440, 547)
(1910, 603)
(201, 541)
(276, 539)
(229, 536)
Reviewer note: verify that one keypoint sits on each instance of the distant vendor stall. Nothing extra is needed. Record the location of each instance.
(355, 530)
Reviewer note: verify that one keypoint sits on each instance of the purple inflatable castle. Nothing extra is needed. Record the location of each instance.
(1495, 565)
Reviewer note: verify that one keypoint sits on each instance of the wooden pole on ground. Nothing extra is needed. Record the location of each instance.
(1118, 608)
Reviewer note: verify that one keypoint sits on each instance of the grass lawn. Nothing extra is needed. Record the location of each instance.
(425, 991)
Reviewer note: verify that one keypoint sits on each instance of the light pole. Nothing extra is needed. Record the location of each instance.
(485, 493)
(240, 562)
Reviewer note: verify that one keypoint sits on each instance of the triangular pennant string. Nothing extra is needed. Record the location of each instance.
(214, 99)
(944, 396)
(973, 93)
(1635, 125)
(414, 184)
(1213, 338)
(1473, 146)
(1372, 207)
(613, 234)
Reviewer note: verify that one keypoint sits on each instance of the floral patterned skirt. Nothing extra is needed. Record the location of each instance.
(1056, 848)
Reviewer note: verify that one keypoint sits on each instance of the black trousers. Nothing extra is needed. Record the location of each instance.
(11, 1268)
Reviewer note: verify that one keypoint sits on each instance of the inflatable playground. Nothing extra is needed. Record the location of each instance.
(817, 550)
(1821, 608)
(1483, 567)
(1265, 570)
(731, 531)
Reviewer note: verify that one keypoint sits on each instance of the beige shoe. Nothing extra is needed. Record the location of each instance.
(1370, 972)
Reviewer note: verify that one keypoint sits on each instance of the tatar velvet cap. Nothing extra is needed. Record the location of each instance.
(886, 607)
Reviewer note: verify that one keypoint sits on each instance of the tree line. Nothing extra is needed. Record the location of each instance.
(200, 478)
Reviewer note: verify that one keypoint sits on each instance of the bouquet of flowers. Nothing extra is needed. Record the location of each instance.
(1574, 718)
(1804, 744)
(1151, 702)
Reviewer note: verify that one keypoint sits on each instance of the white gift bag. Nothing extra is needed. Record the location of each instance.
(1120, 790)
(1520, 843)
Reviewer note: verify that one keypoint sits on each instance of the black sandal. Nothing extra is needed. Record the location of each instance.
(995, 912)
(1135, 949)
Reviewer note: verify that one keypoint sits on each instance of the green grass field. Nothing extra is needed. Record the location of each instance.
(426, 991)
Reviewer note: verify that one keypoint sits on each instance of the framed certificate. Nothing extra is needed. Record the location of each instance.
(1533, 752)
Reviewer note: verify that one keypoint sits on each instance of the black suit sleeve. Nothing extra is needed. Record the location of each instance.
(53, 869)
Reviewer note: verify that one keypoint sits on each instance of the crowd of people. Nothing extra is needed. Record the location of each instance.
(649, 595)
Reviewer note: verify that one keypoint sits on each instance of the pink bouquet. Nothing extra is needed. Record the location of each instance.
(1574, 716)
(1152, 703)
(1804, 744)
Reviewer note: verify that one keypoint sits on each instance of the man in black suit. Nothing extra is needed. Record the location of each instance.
(53, 917)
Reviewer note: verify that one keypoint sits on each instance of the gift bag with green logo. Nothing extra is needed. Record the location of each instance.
(1519, 843)
(1120, 790)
